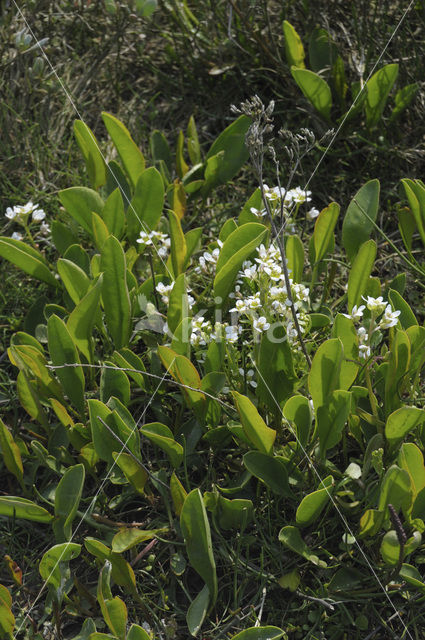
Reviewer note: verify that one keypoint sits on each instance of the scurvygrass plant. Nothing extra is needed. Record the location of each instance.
(211, 443)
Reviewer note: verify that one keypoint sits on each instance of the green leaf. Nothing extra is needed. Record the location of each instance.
(113, 610)
(360, 272)
(312, 505)
(344, 329)
(160, 149)
(256, 430)
(197, 536)
(403, 98)
(63, 351)
(406, 318)
(331, 419)
(51, 563)
(113, 214)
(237, 248)
(114, 382)
(130, 154)
(395, 490)
(133, 471)
(178, 306)
(401, 422)
(398, 365)
(178, 493)
(76, 280)
(104, 443)
(80, 202)
(67, 499)
(115, 294)
(357, 226)
(11, 454)
(232, 143)
(295, 256)
(181, 165)
(128, 538)
(193, 147)
(410, 459)
(137, 633)
(83, 318)
(294, 49)
(276, 374)
(163, 438)
(254, 202)
(378, 89)
(412, 576)
(322, 52)
(297, 410)
(315, 89)
(234, 514)
(390, 548)
(7, 619)
(178, 248)
(146, 207)
(415, 193)
(26, 258)
(197, 611)
(100, 231)
(324, 376)
(324, 230)
(260, 633)
(291, 538)
(96, 168)
(14, 507)
(269, 469)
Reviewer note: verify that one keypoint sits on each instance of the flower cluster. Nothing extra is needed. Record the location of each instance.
(208, 260)
(157, 239)
(291, 199)
(203, 332)
(21, 214)
(377, 308)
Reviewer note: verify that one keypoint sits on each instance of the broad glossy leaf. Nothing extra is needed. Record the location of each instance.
(378, 89)
(193, 147)
(232, 142)
(322, 52)
(83, 318)
(160, 149)
(237, 248)
(256, 430)
(415, 193)
(295, 257)
(178, 249)
(26, 258)
(115, 294)
(163, 438)
(7, 619)
(14, 507)
(398, 365)
(50, 563)
(276, 375)
(291, 538)
(134, 472)
(315, 89)
(298, 411)
(185, 373)
(294, 49)
(104, 442)
(324, 230)
(130, 154)
(95, 164)
(80, 202)
(113, 214)
(344, 329)
(395, 490)
(197, 536)
(30, 400)
(412, 576)
(178, 306)
(197, 611)
(137, 633)
(114, 382)
(63, 351)
(146, 206)
(113, 610)
(406, 318)
(254, 202)
(324, 376)
(269, 469)
(390, 548)
(11, 454)
(128, 538)
(260, 633)
(178, 493)
(331, 419)
(403, 98)
(357, 226)
(312, 505)
(401, 421)
(360, 272)
(234, 514)
(67, 499)
(76, 280)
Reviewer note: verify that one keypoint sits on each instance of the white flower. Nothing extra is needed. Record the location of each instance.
(362, 334)
(38, 215)
(44, 228)
(240, 306)
(253, 302)
(232, 333)
(16, 235)
(364, 351)
(258, 213)
(299, 195)
(389, 319)
(164, 290)
(313, 213)
(274, 271)
(356, 312)
(301, 292)
(144, 239)
(10, 213)
(261, 324)
(376, 305)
